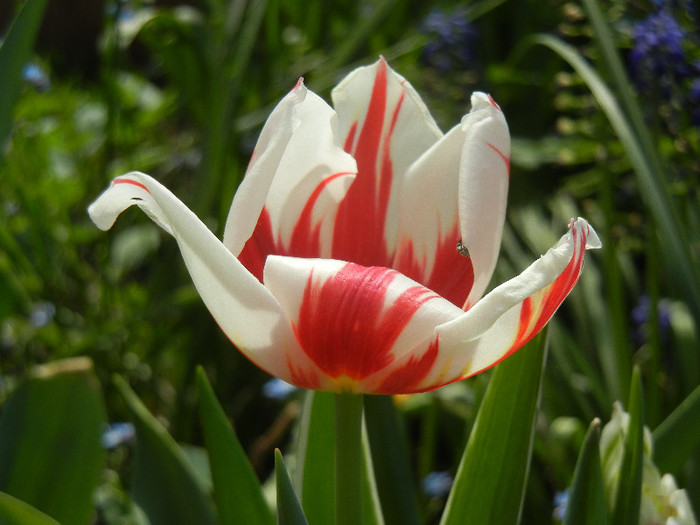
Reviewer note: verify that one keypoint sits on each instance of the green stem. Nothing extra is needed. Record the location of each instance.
(348, 459)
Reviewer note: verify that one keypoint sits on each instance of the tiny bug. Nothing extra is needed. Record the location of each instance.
(461, 249)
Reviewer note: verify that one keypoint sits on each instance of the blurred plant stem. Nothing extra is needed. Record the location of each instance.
(348, 459)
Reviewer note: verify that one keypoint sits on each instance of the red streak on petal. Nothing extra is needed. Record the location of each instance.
(350, 139)
(303, 378)
(361, 218)
(306, 237)
(344, 325)
(129, 181)
(305, 240)
(452, 275)
(407, 377)
(261, 244)
(505, 157)
(550, 297)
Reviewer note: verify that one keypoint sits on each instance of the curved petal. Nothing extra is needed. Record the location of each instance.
(510, 315)
(430, 215)
(385, 126)
(355, 321)
(244, 309)
(299, 173)
(483, 188)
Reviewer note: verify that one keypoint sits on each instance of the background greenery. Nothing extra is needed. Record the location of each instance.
(181, 92)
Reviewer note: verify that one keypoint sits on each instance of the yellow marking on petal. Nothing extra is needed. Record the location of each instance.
(345, 384)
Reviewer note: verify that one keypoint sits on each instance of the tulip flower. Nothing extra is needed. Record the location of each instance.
(361, 241)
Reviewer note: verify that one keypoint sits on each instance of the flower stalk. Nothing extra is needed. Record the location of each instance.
(348, 459)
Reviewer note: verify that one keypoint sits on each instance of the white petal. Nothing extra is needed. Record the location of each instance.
(244, 309)
(354, 321)
(386, 126)
(483, 187)
(511, 314)
(297, 151)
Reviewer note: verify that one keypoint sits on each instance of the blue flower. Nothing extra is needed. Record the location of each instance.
(278, 389)
(36, 76)
(451, 39)
(561, 500)
(117, 434)
(437, 484)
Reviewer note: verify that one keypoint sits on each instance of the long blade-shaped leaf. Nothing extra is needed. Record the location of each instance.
(678, 435)
(390, 461)
(16, 512)
(586, 504)
(315, 457)
(629, 489)
(288, 508)
(15, 52)
(237, 491)
(165, 484)
(50, 453)
(648, 173)
(490, 482)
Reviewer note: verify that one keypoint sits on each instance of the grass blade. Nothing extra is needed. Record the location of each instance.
(237, 491)
(485, 492)
(181, 499)
(678, 435)
(15, 52)
(16, 512)
(649, 177)
(586, 504)
(288, 508)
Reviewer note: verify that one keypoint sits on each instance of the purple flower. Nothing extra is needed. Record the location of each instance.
(658, 59)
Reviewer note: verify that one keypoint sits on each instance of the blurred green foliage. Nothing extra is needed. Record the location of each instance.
(182, 91)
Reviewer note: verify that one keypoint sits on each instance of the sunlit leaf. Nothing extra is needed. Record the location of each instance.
(490, 483)
(315, 457)
(237, 491)
(50, 453)
(16, 512)
(288, 508)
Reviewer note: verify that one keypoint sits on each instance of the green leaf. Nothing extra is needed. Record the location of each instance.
(490, 482)
(315, 451)
(390, 461)
(629, 489)
(50, 453)
(371, 505)
(649, 173)
(237, 491)
(288, 508)
(678, 435)
(15, 52)
(16, 512)
(165, 484)
(586, 504)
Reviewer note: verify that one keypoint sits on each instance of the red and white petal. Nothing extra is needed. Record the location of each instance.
(244, 309)
(483, 188)
(429, 222)
(299, 173)
(385, 125)
(354, 321)
(509, 316)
